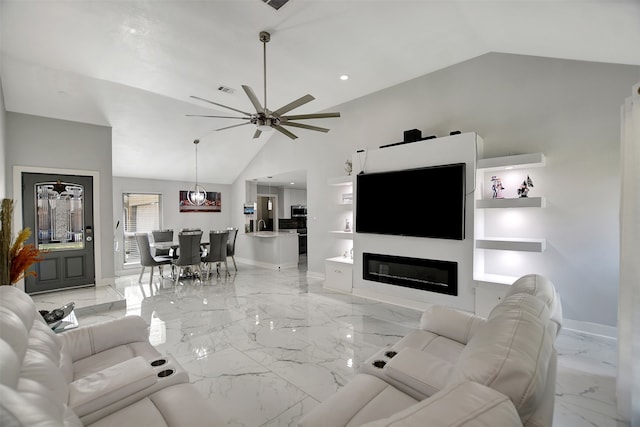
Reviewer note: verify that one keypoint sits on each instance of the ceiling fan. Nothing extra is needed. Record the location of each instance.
(265, 119)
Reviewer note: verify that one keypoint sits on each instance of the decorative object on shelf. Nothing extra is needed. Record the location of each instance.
(15, 258)
(412, 135)
(348, 166)
(523, 191)
(347, 226)
(347, 198)
(197, 195)
(496, 186)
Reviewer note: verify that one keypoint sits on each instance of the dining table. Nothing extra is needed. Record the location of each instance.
(172, 246)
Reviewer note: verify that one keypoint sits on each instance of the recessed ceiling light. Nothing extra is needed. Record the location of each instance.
(292, 183)
(344, 77)
(132, 30)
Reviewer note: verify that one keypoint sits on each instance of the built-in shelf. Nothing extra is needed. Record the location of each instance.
(341, 180)
(342, 234)
(341, 259)
(520, 161)
(345, 204)
(495, 278)
(521, 202)
(512, 244)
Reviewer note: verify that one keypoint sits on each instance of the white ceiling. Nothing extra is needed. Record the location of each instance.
(132, 65)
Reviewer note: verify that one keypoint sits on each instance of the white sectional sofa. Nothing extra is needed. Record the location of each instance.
(459, 369)
(101, 375)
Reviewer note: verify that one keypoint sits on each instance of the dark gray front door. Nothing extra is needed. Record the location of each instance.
(59, 211)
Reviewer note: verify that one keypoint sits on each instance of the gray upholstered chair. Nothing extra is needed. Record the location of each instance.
(217, 252)
(162, 236)
(231, 246)
(148, 260)
(188, 252)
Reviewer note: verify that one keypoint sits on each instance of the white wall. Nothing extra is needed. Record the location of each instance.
(171, 215)
(40, 142)
(3, 144)
(569, 110)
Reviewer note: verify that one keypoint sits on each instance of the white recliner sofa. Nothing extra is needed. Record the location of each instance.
(458, 369)
(107, 374)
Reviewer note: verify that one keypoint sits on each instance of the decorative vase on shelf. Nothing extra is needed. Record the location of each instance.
(347, 226)
(348, 167)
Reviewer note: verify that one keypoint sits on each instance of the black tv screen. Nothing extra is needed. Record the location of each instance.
(423, 202)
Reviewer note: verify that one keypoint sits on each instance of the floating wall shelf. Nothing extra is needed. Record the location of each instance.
(509, 244)
(522, 202)
(521, 161)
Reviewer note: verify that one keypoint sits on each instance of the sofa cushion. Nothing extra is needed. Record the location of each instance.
(466, 404)
(34, 408)
(431, 343)
(365, 398)
(542, 288)
(511, 353)
(103, 360)
(177, 406)
(451, 323)
(421, 371)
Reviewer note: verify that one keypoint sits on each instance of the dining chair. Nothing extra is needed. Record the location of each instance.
(231, 246)
(217, 252)
(162, 236)
(148, 260)
(188, 252)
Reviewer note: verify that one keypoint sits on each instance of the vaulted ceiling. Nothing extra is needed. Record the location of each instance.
(133, 65)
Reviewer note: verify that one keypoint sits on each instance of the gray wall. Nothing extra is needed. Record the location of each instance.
(569, 110)
(171, 215)
(50, 143)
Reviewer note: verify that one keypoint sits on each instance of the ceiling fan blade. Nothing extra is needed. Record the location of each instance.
(233, 126)
(295, 104)
(312, 116)
(253, 98)
(257, 134)
(220, 105)
(218, 117)
(284, 131)
(304, 126)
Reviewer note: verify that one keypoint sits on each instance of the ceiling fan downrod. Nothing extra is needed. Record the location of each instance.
(264, 38)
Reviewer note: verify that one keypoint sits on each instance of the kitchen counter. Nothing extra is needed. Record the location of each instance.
(271, 234)
(272, 249)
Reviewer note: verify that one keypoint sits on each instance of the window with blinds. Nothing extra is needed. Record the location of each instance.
(142, 214)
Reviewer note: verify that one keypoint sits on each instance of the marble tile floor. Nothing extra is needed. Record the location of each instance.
(265, 347)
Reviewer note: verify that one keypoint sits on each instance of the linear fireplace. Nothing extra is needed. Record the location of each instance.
(424, 274)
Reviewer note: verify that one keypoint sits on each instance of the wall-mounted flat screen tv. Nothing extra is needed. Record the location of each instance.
(423, 202)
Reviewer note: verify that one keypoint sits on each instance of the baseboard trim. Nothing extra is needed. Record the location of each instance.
(266, 264)
(590, 328)
(315, 275)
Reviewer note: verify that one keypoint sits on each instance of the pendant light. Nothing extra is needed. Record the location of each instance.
(269, 203)
(197, 195)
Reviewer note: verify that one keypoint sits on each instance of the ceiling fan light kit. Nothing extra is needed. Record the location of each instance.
(265, 119)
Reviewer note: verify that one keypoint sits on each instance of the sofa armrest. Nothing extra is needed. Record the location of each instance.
(110, 385)
(449, 322)
(89, 340)
(420, 371)
(463, 404)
